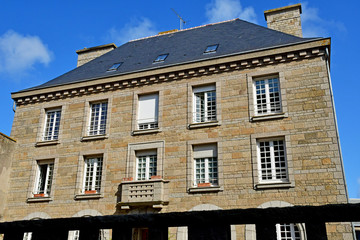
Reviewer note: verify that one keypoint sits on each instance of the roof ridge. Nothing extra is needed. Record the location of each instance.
(205, 25)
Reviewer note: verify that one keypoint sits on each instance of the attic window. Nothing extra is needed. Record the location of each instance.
(211, 48)
(161, 58)
(114, 67)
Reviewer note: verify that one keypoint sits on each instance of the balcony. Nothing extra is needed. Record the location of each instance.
(153, 192)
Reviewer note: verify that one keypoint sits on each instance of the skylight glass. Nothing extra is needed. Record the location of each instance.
(161, 58)
(114, 67)
(211, 48)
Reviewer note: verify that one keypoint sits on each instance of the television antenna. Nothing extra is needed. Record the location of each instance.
(182, 21)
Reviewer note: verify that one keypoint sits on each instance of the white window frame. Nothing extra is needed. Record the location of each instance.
(210, 151)
(95, 127)
(147, 155)
(293, 230)
(49, 135)
(96, 166)
(272, 159)
(49, 176)
(154, 123)
(204, 117)
(267, 82)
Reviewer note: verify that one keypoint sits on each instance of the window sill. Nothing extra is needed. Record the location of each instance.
(46, 143)
(268, 117)
(204, 124)
(145, 131)
(88, 196)
(39, 199)
(95, 137)
(274, 185)
(205, 189)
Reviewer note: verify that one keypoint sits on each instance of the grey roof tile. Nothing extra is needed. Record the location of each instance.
(234, 37)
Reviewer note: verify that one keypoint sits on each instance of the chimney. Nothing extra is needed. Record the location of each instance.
(285, 19)
(87, 54)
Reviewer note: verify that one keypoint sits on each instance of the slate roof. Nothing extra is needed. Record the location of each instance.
(234, 37)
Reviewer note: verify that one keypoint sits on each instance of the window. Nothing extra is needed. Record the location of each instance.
(287, 232)
(148, 108)
(272, 164)
(140, 234)
(114, 67)
(205, 165)
(52, 123)
(98, 117)
(267, 96)
(146, 164)
(161, 58)
(92, 175)
(44, 178)
(204, 104)
(211, 48)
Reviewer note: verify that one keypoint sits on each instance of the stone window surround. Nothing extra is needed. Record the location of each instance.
(80, 174)
(190, 101)
(88, 102)
(190, 178)
(131, 157)
(41, 125)
(251, 77)
(146, 91)
(33, 176)
(288, 149)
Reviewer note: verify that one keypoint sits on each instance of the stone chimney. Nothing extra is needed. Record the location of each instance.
(285, 19)
(87, 54)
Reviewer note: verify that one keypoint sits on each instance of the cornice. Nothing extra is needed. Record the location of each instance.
(206, 67)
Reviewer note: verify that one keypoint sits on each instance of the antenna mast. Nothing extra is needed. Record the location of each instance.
(182, 21)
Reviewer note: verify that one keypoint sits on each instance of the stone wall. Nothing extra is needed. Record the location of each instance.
(307, 126)
(7, 146)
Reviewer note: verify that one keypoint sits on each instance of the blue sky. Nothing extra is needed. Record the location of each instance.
(38, 40)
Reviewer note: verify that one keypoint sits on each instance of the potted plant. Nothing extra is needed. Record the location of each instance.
(90, 191)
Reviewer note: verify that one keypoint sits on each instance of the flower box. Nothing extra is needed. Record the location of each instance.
(36, 195)
(90, 192)
(156, 177)
(204, 184)
(127, 179)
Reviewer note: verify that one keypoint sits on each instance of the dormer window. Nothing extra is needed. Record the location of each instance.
(161, 58)
(114, 67)
(211, 48)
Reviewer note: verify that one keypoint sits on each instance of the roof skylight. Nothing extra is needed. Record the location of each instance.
(114, 67)
(161, 58)
(211, 48)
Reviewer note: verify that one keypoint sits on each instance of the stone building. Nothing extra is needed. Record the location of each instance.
(222, 116)
(7, 145)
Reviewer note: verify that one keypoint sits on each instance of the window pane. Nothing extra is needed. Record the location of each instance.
(98, 116)
(267, 96)
(52, 124)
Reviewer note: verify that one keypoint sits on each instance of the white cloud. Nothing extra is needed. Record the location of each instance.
(221, 10)
(133, 30)
(18, 53)
(315, 26)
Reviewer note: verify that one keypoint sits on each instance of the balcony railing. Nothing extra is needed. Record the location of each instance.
(150, 192)
(201, 224)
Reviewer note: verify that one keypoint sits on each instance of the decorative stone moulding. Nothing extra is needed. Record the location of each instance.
(212, 69)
